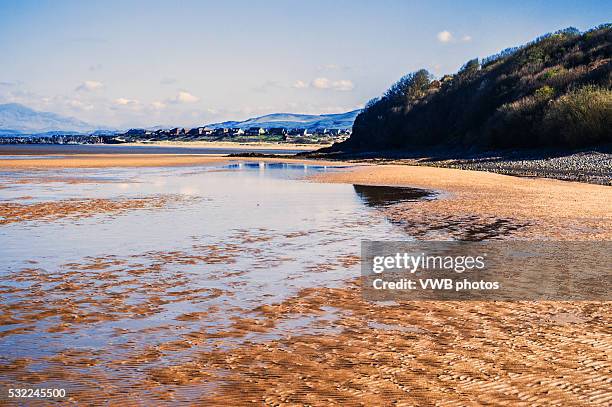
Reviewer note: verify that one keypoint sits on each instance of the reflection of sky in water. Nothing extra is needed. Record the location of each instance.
(287, 230)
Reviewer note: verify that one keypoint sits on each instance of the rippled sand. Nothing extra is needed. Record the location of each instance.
(12, 212)
(362, 353)
(420, 353)
(321, 346)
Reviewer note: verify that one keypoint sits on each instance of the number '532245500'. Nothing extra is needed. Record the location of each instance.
(36, 393)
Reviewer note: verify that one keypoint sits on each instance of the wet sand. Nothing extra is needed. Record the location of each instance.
(472, 205)
(468, 353)
(476, 205)
(111, 160)
(421, 353)
(134, 160)
(150, 149)
(12, 212)
(451, 353)
(409, 353)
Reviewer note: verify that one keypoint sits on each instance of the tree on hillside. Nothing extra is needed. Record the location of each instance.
(409, 88)
(371, 103)
(471, 66)
(553, 92)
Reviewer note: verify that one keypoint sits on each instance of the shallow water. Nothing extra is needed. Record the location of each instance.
(105, 286)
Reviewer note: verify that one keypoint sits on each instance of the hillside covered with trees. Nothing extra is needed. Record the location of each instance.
(553, 92)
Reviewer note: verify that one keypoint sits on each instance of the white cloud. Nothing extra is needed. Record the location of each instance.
(125, 102)
(445, 36)
(158, 105)
(185, 97)
(321, 83)
(300, 85)
(89, 86)
(342, 85)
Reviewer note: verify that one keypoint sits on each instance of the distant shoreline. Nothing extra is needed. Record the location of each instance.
(593, 166)
(232, 144)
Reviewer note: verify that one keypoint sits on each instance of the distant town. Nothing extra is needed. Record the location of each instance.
(252, 134)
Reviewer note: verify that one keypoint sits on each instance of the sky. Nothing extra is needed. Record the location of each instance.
(146, 63)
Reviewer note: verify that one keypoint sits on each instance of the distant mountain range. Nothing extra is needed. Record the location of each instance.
(17, 119)
(295, 121)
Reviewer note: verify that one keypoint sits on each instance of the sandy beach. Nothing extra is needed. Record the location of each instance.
(462, 353)
(402, 204)
(473, 202)
(229, 144)
(531, 207)
(459, 353)
(111, 160)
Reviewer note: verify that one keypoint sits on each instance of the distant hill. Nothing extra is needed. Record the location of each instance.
(553, 92)
(294, 121)
(19, 119)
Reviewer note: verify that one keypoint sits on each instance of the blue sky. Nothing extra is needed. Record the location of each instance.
(145, 63)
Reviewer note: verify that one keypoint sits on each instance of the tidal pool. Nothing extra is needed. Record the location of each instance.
(88, 290)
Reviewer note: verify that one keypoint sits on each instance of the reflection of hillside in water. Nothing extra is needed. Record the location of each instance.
(377, 196)
(466, 227)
